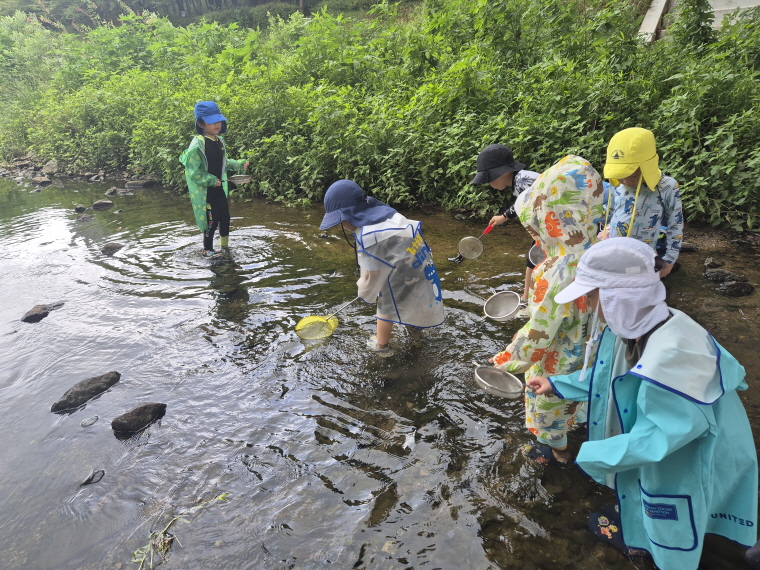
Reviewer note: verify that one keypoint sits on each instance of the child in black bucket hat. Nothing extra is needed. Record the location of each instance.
(498, 168)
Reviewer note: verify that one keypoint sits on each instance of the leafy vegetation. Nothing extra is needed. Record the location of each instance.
(401, 102)
(155, 552)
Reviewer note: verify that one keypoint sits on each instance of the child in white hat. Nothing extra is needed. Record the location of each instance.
(666, 428)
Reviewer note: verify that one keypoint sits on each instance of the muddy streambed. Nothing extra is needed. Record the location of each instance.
(331, 456)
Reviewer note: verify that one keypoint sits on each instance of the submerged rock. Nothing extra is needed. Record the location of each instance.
(141, 184)
(102, 205)
(79, 208)
(735, 288)
(111, 248)
(89, 421)
(711, 263)
(112, 191)
(138, 418)
(94, 477)
(83, 391)
(84, 218)
(39, 312)
(721, 275)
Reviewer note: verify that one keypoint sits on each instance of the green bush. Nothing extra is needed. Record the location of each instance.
(402, 103)
(254, 16)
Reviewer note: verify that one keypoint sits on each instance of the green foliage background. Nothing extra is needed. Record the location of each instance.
(399, 102)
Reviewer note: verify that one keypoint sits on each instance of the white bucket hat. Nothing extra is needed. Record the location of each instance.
(615, 263)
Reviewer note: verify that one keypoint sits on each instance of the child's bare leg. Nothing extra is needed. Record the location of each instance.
(562, 455)
(384, 330)
(528, 279)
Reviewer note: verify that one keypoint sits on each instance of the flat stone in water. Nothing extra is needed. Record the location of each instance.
(83, 391)
(735, 289)
(39, 312)
(102, 205)
(140, 184)
(111, 248)
(721, 275)
(711, 263)
(94, 477)
(89, 421)
(138, 418)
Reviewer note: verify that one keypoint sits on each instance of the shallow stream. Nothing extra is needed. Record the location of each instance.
(333, 457)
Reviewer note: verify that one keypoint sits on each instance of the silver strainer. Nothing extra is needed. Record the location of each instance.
(497, 382)
(536, 255)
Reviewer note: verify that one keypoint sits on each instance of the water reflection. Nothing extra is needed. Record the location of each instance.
(334, 457)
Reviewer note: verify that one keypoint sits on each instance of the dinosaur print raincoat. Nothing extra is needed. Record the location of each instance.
(559, 212)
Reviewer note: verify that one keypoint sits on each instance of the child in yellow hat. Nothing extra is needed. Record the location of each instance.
(642, 200)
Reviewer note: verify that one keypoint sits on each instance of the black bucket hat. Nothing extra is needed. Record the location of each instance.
(493, 161)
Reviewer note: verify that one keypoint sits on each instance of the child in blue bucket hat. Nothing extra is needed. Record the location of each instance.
(206, 165)
(397, 269)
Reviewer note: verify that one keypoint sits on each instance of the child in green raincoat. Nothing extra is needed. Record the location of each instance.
(206, 165)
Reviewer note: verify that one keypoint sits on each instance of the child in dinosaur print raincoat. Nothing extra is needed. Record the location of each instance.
(558, 211)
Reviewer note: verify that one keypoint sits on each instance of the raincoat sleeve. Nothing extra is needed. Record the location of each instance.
(568, 387)
(371, 277)
(665, 422)
(673, 219)
(235, 165)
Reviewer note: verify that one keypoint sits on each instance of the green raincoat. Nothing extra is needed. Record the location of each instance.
(198, 178)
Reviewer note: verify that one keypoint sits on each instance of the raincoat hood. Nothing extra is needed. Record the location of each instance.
(560, 208)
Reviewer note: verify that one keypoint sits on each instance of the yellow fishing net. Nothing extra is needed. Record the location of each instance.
(315, 327)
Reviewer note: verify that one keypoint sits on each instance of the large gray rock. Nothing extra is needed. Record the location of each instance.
(102, 205)
(86, 390)
(41, 180)
(735, 289)
(39, 312)
(112, 191)
(138, 418)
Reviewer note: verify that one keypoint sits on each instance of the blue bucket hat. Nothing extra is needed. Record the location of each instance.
(345, 200)
(210, 113)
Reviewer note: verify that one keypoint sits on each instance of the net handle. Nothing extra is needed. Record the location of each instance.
(339, 309)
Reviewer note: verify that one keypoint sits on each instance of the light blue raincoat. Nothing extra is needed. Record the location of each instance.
(672, 438)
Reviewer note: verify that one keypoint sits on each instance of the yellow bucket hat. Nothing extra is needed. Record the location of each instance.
(631, 149)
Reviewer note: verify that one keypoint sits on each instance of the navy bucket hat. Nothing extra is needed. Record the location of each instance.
(210, 113)
(345, 200)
